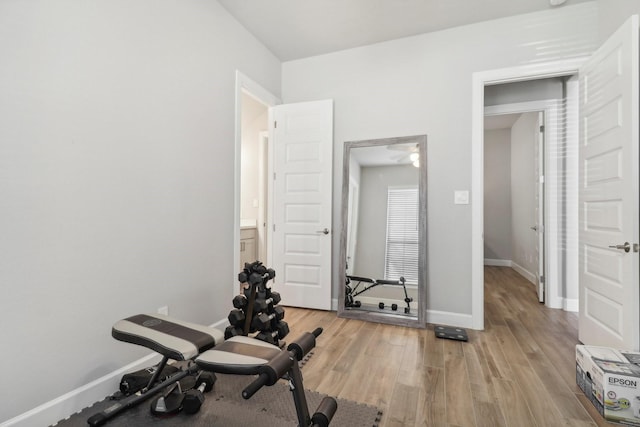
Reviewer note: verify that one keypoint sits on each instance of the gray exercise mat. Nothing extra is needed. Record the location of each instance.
(224, 406)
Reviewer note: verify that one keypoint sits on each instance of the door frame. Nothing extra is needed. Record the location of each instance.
(243, 84)
(481, 79)
(541, 195)
(264, 166)
(550, 109)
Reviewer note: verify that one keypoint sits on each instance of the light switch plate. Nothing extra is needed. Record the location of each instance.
(461, 197)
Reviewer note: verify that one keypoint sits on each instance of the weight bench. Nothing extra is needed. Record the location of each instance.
(241, 355)
(182, 341)
(173, 339)
(353, 291)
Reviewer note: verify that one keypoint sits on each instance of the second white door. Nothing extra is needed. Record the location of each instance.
(302, 202)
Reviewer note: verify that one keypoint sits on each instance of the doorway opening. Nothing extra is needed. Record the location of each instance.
(252, 165)
(253, 210)
(560, 178)
(514, 192)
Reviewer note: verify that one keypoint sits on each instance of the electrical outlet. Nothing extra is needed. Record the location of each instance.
(461, 197)
(164, 310)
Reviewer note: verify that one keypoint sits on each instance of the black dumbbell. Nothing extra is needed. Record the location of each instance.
(263, 305)
(240, 301)
(242, 277)
(394, 307)
(193, 398)
(270, 337)
(282, 328)
(236, 318)
(263, 320)
(232, 331)
(381, 305)
(169, 402)
(280, 331)
(348, 300)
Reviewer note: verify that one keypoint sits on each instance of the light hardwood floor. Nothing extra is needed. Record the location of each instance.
(519, 371)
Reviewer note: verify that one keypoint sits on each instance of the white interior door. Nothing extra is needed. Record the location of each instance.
(608, 194)
(539, 206)
(302, 202)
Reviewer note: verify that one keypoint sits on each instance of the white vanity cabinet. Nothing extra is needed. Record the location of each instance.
(248, 246)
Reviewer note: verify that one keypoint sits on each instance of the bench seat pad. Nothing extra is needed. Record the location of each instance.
(173, 338)
(238, 355)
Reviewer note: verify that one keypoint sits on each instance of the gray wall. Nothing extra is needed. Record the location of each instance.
(372, 215)
(530, 90)
(613, 13)
(422, 85)
(509, 193)
(116, 172)
(497, 194)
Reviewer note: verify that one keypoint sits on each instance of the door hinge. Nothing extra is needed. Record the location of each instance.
(274, 227)
(542, 128)
(541, 279)
(274, 176)
(275, 124)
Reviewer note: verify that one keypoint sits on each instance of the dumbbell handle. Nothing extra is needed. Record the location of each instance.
(201, 387)
(256, 385)
(258, 308)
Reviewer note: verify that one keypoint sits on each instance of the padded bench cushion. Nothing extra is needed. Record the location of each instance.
(238, 355)
(175, 339)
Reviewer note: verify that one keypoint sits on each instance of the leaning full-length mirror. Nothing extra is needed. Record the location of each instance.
(383, 248)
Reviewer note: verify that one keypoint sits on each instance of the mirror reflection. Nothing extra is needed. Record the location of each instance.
(384, 230)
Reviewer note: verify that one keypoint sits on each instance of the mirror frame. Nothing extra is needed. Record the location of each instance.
(396, 319)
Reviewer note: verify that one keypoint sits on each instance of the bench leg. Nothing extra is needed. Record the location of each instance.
(299, 398)
(135, 399)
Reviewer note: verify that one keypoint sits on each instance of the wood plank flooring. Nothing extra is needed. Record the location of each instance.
(519, 371)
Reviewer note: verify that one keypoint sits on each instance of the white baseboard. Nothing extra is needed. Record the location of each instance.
(334, 304)
(498, 262)
(524, 272)
(450, 319)
(571, 305)
(68, 404)
(509, 263)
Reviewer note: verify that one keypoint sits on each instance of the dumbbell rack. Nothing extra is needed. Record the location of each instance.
(256, 311)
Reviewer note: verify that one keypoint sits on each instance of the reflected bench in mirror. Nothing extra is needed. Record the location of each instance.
(383, 245)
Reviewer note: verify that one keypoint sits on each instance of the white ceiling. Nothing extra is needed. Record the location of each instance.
(294, 29)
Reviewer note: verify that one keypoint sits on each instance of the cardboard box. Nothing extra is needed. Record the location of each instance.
(611, 380)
